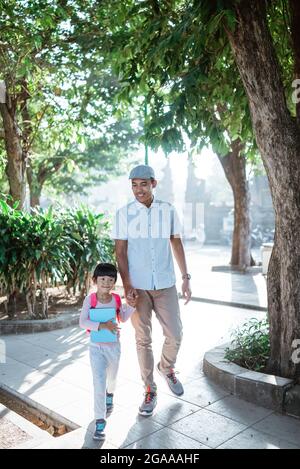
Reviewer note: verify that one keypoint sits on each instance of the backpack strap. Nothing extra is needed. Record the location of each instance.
(118, 305)
(93, 304)
(93, 300)
(118, 300)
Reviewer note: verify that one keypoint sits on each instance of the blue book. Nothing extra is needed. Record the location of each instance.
(103, 315)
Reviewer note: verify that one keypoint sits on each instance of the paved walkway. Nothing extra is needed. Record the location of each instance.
(52, 368)
(244, 289)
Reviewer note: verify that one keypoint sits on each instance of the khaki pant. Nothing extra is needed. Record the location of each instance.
(166, 307)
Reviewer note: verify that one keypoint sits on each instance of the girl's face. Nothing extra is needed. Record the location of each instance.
(105, 284)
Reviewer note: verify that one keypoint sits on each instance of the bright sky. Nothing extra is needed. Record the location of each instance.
(108, 197)
(118, 191)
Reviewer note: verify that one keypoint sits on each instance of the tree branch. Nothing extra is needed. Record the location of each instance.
(45, 171)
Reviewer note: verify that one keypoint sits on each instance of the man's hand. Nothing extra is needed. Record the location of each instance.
(186, 290)
(179, 254)
(131, 295)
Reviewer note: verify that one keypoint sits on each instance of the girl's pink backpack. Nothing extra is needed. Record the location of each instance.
(93, 300)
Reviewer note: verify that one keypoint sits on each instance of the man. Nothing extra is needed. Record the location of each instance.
(143, 231)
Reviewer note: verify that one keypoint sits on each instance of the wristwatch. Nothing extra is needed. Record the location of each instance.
(186, 276)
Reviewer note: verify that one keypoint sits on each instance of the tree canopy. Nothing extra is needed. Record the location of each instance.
(61, 98)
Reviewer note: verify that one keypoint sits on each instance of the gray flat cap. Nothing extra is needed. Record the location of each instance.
(142, 172)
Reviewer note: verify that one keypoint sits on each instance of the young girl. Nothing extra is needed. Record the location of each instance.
(104, 357)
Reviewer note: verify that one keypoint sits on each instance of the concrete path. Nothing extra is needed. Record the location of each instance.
(52, 368)
(232, 288)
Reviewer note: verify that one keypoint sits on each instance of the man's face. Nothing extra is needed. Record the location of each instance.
(143, 189)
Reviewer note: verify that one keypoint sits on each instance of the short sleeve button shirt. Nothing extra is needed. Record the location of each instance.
(148, 232)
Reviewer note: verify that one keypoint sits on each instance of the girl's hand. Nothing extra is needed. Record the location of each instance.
(110, 326)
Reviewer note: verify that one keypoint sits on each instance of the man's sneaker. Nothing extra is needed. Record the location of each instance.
(109, 402)
(173, 383)
(149, 403)
(99, 430)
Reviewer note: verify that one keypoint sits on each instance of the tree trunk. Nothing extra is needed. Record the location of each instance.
(16, 158)
(35, 189)
(36, 179)
(11, 305)
(44, 297)
(31, 295)
(234, 165)
(85, 286)
(278, 138)
(35, 198)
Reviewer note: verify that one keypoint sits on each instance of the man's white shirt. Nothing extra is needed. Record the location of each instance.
(148, 232)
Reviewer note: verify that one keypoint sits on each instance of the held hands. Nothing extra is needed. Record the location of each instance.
(110, 326)
(131, 295)
(186, 290)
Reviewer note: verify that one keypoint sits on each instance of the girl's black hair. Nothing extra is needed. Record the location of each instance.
(105, 269)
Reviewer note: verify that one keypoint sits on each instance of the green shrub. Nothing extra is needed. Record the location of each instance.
(45, 248)
(250, 346)
(89, 244)
(33, 253)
